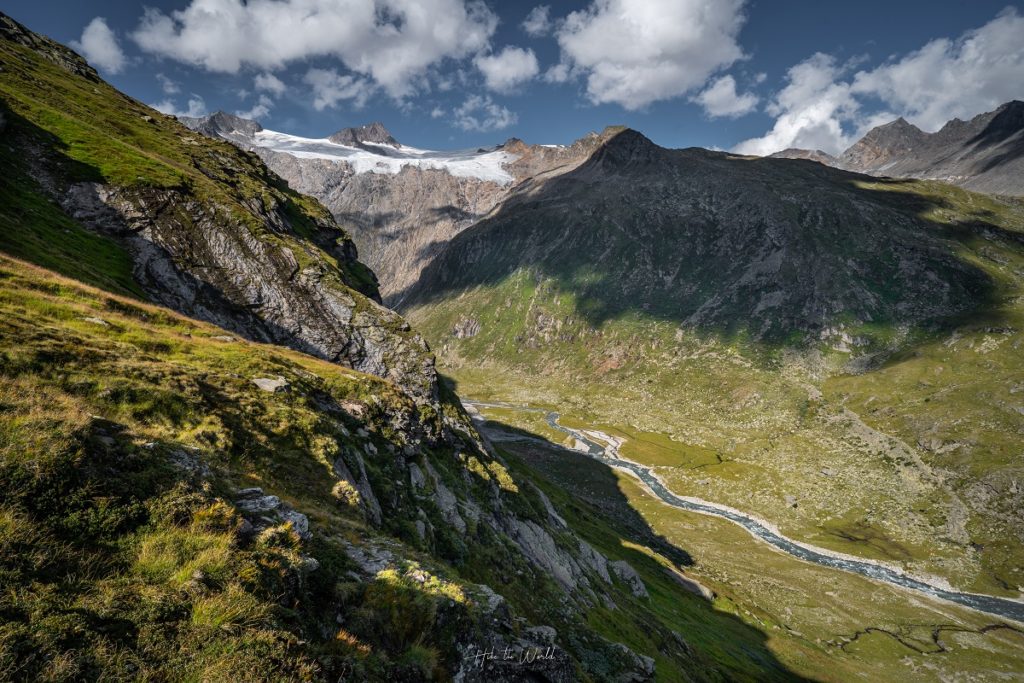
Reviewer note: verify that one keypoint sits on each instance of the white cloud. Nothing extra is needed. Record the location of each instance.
(810, 110)
(436, 113)
(824, 107)
(559, 73)
(268, 82)
(393, 42)
(100, 48)
(260, 110)
(507, 69)
(481, 113)
(330, 87)
(169, 86)
(977, 72)
(538, 21)
(634, 52)
(196, 107)
(721, 99)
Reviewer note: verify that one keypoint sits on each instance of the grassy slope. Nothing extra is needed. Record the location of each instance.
(94, 133)
(794, 423)
(117, 561)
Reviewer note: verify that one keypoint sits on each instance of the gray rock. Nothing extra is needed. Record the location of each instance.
(416, 478)
(361, 483)
(553, 515)
(275, 385)
(264, 510)
(195, 258)
(594, 560)
(466, 328)
(625, 571)
(445, 500)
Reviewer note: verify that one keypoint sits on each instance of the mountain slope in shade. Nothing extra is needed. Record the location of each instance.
(713, 241)
(985, 154)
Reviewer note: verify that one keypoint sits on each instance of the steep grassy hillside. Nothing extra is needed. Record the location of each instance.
(177, 503)
(839, 355)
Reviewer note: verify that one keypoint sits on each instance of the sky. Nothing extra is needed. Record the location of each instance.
(752, 76)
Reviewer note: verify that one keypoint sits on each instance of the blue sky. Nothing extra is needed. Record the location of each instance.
(750, 75)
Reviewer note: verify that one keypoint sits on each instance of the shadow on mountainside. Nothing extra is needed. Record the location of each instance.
(1003, 127)
(752, 248)
(588, 493)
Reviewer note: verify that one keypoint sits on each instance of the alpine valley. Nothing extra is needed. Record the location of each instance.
(693, 416)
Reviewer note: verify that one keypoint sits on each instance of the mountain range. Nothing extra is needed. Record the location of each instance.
(985, 154)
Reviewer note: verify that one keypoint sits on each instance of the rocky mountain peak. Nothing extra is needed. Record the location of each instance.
(619, 145)
(1009, 117)
(882, 144)
(356, 137)
(221, 124)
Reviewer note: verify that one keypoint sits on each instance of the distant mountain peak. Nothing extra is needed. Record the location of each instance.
(221, 124)
(818, 155)
(620, 145)
(985, 153)
(355, 137)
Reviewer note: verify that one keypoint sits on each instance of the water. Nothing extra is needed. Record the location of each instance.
(1001, 607)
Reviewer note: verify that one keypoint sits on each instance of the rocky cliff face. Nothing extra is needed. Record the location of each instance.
(985, 154)
(210, 231)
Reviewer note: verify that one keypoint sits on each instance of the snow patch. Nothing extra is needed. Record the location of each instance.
(477, 163)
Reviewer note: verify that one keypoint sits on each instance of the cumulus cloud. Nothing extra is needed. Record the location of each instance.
(260, 110)
(824, 105)
(169, 86)
(980, 70)
(330, 87)
(392, 42)
(634, 52)
(507, 69)
(810, 111)
(481, 113)
(196, 107)
(538, 21)
(100, 48)
(436, 113)
(720, 99)
(267, 82)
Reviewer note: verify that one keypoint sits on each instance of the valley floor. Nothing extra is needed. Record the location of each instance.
(823, 623)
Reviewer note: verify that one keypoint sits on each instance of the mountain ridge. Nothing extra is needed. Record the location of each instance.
(985, 154)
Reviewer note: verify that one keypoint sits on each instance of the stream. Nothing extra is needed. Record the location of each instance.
(1001, 607)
